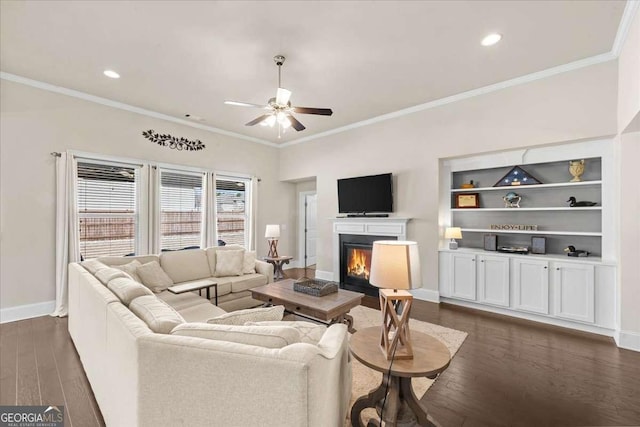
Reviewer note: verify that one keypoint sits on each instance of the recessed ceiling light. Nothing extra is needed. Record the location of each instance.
(491, 39)
(112, 74)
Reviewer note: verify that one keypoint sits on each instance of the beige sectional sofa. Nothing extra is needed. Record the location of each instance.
(152, 360)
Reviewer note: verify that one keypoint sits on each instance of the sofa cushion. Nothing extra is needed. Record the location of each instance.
(201, 312)
(180, 301)
(229, 263)
(127, 289)
(157, 314)
(113, 261)
(249, 264)
(211, 255)
(154, 277)
(262, 336)
(131, 269)
(310, 333)
(105, 275)
(224, 284)
(248, 281)
(93, 265)
(240, 317)
(187, 265)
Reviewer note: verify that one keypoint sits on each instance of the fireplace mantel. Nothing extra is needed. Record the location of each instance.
(372, 226)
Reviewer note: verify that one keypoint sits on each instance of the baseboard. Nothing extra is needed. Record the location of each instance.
(21, 312)
(426, 295)
(628, 340)
(324, 275)
(294, 263)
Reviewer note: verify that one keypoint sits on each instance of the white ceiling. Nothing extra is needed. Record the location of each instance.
(360, 58)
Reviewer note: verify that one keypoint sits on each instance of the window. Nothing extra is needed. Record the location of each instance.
(232, 206)
(107, 209)
(181, 203)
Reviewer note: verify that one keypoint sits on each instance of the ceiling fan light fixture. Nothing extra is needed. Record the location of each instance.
(269, 121)
(283, 96)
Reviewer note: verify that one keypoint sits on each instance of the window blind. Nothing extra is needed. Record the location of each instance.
(106, 209)
(232, 195)
(181, 209)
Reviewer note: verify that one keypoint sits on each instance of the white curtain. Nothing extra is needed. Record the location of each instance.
(67, 236)
(209, 214)
(253, 213)
(154, 210)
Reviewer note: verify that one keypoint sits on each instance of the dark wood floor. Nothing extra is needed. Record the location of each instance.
(509, 372)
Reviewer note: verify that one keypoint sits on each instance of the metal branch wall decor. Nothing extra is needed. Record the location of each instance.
(166, 140)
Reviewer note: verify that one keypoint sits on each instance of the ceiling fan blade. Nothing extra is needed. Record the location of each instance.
(258, 120)
(295, 123)
(310, 110)
(244, 104)
(283, 96)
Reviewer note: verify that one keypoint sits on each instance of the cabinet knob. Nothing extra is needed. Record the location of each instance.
(482, 260)
(545, 267)
(558, 268)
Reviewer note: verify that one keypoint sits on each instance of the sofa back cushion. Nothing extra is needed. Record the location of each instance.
(113, 261)
(127, 289)
(105, 275)
(131, 269)
(240, 317)
(93, 265)
(157, 314)
(211, 255)
(185, 266)
(229, 263)
(249, 264)
(263, 336)
(154, 277)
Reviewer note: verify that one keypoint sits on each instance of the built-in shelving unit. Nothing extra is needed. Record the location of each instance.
(576, 292)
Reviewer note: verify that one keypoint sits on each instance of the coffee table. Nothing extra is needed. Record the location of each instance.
(402, 407)
(329, 309)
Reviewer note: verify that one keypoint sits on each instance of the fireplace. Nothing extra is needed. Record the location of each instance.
(355, 262)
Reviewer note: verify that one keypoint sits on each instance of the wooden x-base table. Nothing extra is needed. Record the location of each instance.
(402, 406)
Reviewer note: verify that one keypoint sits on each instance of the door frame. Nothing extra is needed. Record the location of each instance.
(301, 222)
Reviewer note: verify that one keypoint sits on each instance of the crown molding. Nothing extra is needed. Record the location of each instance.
(126, 107)
(630, 10)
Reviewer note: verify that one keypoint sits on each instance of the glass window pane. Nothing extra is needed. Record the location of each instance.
(181, 202)
(233, 215)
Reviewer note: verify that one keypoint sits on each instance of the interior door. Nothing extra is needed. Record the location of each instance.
(311, 227)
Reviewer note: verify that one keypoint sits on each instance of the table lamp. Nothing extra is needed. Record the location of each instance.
(395, 267)
(272, 233)
(453, 233)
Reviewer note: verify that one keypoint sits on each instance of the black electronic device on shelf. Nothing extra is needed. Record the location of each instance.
(370, 196)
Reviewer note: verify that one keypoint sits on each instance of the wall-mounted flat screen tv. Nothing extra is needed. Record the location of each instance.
(365, 194)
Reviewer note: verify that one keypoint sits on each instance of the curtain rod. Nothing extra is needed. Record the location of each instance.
(55, 154)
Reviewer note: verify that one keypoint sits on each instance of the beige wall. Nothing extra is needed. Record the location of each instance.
(36, 122)
(567, 107)
(628, 155)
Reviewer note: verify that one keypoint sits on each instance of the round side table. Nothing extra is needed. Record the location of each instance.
(402, 407)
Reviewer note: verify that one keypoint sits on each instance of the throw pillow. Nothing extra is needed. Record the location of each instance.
(240, 317)
(157, 314)
(262, 336)
(127, 289)
(131, 269)
(105, 275)
(249, 265)
(154, 277)
(229, 263)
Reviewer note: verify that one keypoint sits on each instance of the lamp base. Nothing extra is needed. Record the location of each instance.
(273, 248)
(395, 327)
(453, 244)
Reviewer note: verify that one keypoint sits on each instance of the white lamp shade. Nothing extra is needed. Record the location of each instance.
(453, 233)
(395, 264)
(272, 231)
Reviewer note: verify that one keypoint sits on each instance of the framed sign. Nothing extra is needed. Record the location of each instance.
(490, 242)
(538, 245)
(468, 200)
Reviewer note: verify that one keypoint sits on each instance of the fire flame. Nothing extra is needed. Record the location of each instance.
(359, 263)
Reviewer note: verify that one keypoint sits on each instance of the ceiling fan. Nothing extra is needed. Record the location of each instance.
(280, 110)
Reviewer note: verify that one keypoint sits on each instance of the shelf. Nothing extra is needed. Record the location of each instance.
(540, 232)
(590, 208)
(552, 257)
(527, 187)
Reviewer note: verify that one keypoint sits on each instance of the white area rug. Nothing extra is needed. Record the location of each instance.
(366, 379)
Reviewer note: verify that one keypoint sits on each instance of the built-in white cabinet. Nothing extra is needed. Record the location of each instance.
(531, 285)
(574, 291)
(493, 280)
(463, 276)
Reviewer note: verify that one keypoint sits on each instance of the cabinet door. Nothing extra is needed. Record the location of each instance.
(493, 280)
(462, 275)
(531, 285)
(574, 291)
